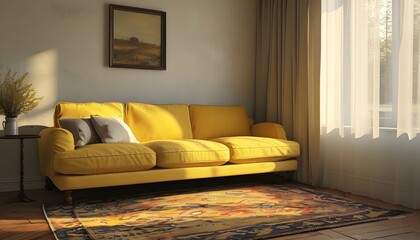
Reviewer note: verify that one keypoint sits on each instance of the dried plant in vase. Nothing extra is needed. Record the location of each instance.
(16, 97)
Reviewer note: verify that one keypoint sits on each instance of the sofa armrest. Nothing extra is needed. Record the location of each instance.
(53, 140)
(270, 130)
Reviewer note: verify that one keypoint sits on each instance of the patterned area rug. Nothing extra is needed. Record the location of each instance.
(233, 212)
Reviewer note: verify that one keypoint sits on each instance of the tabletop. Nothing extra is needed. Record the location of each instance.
(26, 136)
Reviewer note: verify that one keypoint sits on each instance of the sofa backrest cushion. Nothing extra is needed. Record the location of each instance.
(208, 122)
(158, 121)
(85, 110)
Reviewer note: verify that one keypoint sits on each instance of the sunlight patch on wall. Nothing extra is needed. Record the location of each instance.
(42, 69)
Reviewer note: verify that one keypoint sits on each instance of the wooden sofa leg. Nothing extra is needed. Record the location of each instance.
(69, 198)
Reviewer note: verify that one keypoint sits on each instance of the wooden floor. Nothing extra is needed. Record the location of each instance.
(26, 220)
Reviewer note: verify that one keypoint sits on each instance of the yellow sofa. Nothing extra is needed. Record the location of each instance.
(176, 142)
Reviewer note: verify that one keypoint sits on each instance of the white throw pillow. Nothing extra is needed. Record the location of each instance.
(113, 130)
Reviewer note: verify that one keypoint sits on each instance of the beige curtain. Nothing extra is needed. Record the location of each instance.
(287, 75)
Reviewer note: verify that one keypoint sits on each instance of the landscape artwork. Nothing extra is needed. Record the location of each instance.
(137, 38)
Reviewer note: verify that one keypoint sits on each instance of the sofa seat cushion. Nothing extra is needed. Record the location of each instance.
(188, 153)
(105, 158)
(259, 149)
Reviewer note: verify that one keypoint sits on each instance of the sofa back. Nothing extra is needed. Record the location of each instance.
(85, 110)
(208, 121)
(158, 121)
(165, 121)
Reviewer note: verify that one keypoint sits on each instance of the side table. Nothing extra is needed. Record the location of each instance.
(21, 196)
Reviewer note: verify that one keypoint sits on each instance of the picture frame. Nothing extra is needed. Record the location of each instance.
(137, 38)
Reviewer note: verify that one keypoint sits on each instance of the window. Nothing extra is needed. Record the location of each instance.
(370, 66)
(389, 22)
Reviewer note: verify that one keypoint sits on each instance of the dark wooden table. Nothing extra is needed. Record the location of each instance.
(21, 196)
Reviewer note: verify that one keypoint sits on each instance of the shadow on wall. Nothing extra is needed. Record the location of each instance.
(10, 161)
(42, 69)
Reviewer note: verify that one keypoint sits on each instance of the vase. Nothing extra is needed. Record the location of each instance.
(10, 126)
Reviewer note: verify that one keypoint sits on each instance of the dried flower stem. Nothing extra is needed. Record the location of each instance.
(16, 96)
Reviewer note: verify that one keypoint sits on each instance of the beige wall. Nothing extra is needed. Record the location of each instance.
(63, 46)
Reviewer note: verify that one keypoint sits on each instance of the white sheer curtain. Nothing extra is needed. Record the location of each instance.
(350, 67)
(406, 47)
(369, 103)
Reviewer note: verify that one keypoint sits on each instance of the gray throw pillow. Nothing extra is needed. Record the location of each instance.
(82, 130)
(113, 130)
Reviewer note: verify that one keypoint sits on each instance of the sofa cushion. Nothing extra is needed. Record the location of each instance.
(188, 153)
(113, 130)
(209, 122)
(81, 129)
(85, 110)
(259, 149)
(105, 158)
(156, 122)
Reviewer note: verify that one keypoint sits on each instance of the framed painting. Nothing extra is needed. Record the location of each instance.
(137, 38)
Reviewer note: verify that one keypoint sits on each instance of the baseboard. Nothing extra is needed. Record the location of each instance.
(12, 184)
